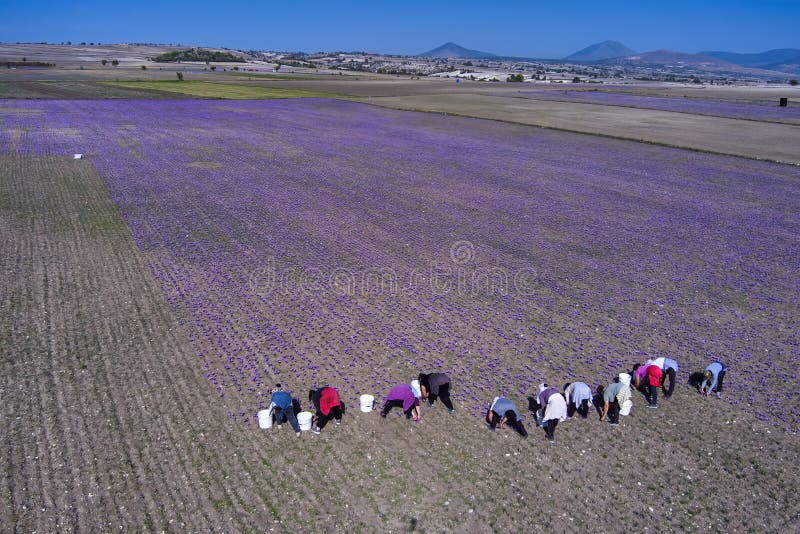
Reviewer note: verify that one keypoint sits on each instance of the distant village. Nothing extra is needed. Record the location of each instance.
(504, 69)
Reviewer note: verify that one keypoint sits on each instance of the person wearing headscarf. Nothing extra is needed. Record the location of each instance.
(670, 368)
(579, 398)
(614, 396)
(553, 408)
(502, 411)
(712, 378)
(329, 406)
(435, 385)
(403, 396)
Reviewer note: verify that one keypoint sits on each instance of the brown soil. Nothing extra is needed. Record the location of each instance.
(761, 140)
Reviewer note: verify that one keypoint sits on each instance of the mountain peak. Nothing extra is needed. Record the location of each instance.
(599, 51)
(451, 49)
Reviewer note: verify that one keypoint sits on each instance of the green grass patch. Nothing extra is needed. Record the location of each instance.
(221, 90)
(268, 76)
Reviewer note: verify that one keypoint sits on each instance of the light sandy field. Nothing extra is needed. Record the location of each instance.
(776, 142)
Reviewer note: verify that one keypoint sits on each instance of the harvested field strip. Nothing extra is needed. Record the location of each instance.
(78, 90)
(220, 90)
(95, 387)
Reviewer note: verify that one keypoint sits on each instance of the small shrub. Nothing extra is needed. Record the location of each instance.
(180, 76)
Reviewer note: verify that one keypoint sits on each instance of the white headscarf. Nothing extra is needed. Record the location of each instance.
(415, 388)
(625, 378)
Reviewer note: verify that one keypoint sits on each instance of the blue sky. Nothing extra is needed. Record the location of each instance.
(518, 27)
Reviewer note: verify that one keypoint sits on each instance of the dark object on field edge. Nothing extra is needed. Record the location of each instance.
(784, 102)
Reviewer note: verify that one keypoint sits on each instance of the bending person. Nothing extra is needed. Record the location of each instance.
(436, 385)
(402, 396)
(579, 398)
(655, 377)
(328, 405)
(669, 367)
(502, 411)
(712, 378)
(614, 396)
(283, 409)
(553, 408)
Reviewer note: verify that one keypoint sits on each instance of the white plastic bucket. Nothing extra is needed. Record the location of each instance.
(304, 420)
(626, 407)
(264, 419)
(366, 402)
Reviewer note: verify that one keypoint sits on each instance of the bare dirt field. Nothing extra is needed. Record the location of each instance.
(777, 142)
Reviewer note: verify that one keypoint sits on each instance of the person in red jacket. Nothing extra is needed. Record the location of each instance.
(329, 406)
(654, 375)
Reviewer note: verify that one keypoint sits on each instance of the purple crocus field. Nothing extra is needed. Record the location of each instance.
(317, 241)
(681, 105)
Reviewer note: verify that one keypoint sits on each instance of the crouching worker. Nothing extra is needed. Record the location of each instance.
(502, 411)
(403, 396)
(553, 408)
(579, 398)
(436, 385)
(328, 405)
(670, 369)
(282, 408)
(614, 396)
(655, 377)
(712, 379)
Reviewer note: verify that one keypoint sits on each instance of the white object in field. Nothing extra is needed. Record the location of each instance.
(366, 402)
(416, 389)
(304, 420)
(77, 156)
(265, 419)
(626, 407)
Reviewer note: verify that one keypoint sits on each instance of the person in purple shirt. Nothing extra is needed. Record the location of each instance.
(402, 396)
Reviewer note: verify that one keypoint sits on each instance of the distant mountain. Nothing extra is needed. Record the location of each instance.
(599, 51)
(674, 59)
(454, 50)
(781, 59)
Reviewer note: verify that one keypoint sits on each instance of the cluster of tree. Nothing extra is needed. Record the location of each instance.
(515, 78)
(195, 54)
(114, 62)
(301, 64)
(26, 63)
